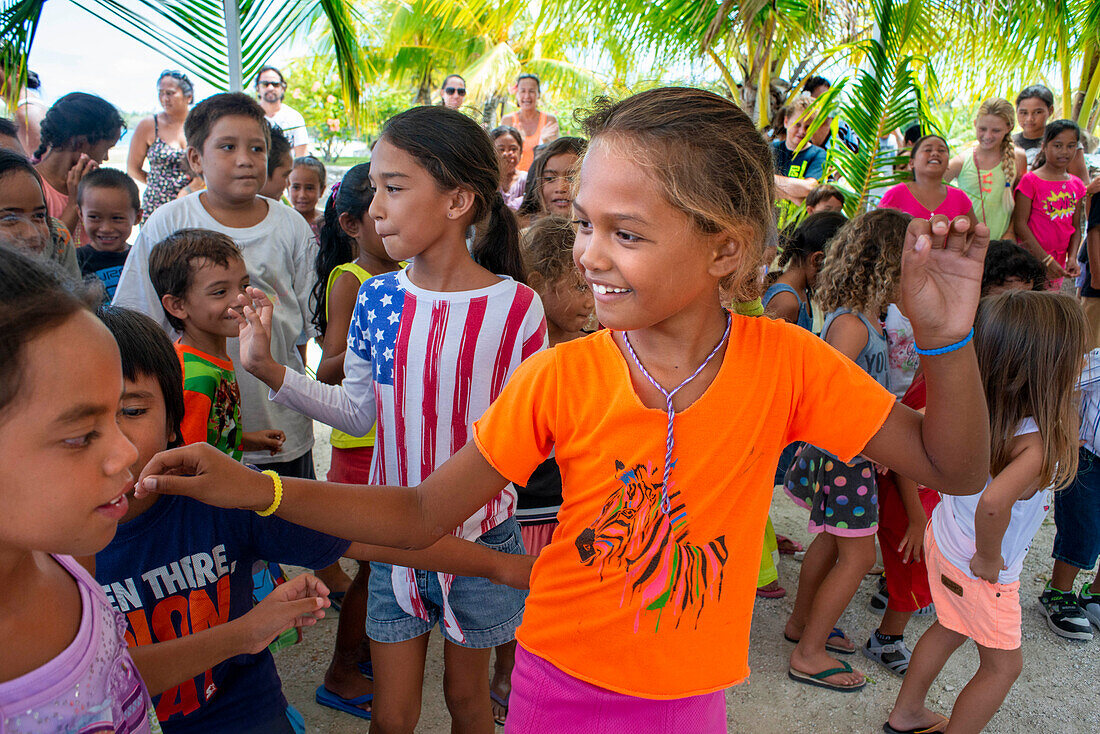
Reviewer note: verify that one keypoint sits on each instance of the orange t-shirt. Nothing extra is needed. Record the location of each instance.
(623, 597)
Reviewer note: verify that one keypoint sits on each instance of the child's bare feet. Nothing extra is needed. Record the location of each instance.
(922, 719)
(837, 641)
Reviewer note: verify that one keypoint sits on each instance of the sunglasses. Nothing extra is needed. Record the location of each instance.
(270, 84)
(454, 90)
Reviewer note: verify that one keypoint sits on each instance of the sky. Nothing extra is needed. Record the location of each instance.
(75, 51)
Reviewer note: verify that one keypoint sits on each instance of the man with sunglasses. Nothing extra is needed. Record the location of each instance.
(270, 89)
(454, 91)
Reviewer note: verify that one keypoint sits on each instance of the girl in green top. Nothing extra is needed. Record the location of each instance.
(350, 252)
(989, 171)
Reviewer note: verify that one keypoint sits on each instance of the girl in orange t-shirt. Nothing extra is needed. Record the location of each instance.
(666, 481)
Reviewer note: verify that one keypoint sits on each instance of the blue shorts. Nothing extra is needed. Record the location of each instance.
(1077, 515)
(488, 613)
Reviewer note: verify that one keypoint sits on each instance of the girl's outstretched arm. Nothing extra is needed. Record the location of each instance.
(451, 554)
(398, 517)
(947, 449)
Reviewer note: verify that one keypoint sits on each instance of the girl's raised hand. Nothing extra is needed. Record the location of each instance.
(941, 278)
(203, 473)
(254, 332)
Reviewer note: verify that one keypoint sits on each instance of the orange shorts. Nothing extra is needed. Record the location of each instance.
(987, 613)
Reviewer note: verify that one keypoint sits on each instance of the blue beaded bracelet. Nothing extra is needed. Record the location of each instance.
(944, 350)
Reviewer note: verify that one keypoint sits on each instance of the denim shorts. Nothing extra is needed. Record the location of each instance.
(487, 613)
(1077, 515)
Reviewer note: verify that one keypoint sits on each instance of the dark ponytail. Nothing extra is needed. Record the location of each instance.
(1053, 130)
(79, 115)
(352, 196)
(458, 153)
(810, 237)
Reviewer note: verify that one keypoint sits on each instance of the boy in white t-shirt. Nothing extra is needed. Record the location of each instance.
(227, 142)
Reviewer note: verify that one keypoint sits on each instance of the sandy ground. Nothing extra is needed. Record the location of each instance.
(1056, 693)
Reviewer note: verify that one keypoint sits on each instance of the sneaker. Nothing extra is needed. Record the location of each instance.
(880, 598)
(1090, 603)
(1064, 614)
(894, 656)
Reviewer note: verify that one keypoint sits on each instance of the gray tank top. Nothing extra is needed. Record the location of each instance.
(873, 357)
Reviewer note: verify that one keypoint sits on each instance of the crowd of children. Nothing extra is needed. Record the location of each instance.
(562, 395)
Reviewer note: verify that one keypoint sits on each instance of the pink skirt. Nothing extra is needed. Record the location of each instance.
(546, 700)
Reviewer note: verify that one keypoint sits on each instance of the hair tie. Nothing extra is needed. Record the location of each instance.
(335, 189)
(498, 200)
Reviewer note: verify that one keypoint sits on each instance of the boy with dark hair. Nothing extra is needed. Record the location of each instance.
(1010, 267)
(228, 140)
(109, 206)
(279, 163)
(198, 275)
(9, 137)
(825, 198)
(181, 571)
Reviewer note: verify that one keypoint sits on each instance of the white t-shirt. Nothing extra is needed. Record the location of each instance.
(279, 253)
(291, 122)
(902, 362)
(953, 525)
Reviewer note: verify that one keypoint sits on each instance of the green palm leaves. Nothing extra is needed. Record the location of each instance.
(888, 91)
(18, 23)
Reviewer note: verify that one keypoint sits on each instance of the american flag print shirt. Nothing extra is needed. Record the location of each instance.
(426, 365)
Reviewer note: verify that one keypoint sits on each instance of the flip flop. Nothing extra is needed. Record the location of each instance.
(818, 679)
(777, 593)
(325, 697)
(786, 546)
(938, 726)
(336, 600)
(367, 669)
(837, 632)
(503, 703)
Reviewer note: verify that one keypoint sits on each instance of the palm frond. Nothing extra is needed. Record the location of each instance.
(18, 25)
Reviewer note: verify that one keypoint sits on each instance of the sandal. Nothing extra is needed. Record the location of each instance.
(818, 679)
(831, 647)
(774, 592)
(327, 698)
(938, 726)
(894, 656)
(786, 546)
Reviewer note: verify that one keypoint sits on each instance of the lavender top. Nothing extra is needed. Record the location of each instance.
(92, 686)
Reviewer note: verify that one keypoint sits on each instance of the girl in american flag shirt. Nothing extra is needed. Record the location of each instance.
(429, 348)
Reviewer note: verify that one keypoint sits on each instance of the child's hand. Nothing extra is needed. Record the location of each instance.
(514, 571)
(987, 568)
(83, 166)
(201, 471)
(300, 602)
(254, 331)
(941, 278)
(268, 440)
(1073, 268)
(912, 542)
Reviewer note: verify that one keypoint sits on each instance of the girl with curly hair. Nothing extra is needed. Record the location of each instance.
(861, 275)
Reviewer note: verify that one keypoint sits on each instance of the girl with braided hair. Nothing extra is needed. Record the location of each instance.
(988, 171)
(77, 132)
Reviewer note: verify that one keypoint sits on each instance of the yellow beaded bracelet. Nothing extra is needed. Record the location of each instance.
(278, 494)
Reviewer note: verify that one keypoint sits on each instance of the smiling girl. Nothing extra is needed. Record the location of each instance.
(987, 172)
(513, 182)
(927, 194)
(73, 673)
(667, 454)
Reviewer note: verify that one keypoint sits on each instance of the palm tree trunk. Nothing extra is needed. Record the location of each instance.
(233, 43)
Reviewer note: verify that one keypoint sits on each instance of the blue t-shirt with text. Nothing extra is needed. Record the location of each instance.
(182, 567)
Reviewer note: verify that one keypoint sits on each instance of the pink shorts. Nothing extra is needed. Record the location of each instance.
(546, 700)
(987, 613)
(350, 466)
(537, 537)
